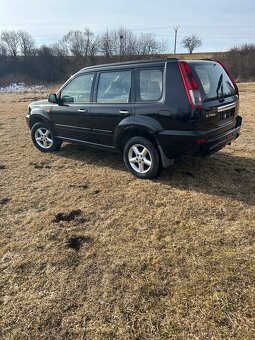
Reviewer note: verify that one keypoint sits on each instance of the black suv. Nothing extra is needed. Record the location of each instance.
(152, 111)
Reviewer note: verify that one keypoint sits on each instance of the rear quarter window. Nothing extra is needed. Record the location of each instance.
(150, 85)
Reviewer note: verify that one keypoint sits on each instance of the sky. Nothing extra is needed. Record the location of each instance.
(221, 24)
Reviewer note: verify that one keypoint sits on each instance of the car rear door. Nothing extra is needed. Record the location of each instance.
(112, 102)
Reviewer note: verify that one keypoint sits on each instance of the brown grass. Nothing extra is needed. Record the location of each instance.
(90, 252)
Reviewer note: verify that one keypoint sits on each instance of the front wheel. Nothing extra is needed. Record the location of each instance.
(43, 138)
(141, 158)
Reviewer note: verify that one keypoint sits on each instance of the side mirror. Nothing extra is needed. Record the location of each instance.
(52, 98)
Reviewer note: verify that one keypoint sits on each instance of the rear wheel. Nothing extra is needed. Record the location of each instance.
(43, 138)
(141, 158)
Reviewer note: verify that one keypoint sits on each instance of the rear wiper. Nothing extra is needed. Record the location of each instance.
(220, 86)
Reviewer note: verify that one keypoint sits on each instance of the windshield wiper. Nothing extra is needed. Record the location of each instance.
(220, 87)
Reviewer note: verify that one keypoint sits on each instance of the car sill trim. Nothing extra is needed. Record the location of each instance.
(85, 142)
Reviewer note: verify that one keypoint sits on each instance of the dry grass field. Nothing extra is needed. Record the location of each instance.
(90, 252)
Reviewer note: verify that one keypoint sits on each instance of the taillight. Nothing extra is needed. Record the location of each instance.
(190, 84)
(229, 75)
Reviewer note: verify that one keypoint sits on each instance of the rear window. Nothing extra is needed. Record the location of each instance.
(213, 81)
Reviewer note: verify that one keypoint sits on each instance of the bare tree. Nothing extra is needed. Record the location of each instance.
(26, 44)
(74, 44)
(123, 40)
(191, 43)
(124, 43)
(149, 45)
(79, 43)
(106, 45)
(127, 42)
(116, 43)
(10, 41)
(60, 50)
(3, 51)
(91, 45)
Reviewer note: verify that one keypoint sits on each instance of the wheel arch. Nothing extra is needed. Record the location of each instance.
(136, 125)
(36, 118)
(130, 132)
(38, 115)
(141, 126)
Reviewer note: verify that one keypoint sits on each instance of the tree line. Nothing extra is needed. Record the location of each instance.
(20, 56)
(22, 60)
(240, 61)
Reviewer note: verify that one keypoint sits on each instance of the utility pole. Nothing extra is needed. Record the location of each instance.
(175, 37)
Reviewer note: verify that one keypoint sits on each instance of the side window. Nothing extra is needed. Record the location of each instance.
(114, 87)
(150, 85)
(78, 90)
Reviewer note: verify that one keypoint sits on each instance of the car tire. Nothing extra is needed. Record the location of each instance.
(43, 138)
(141, 158)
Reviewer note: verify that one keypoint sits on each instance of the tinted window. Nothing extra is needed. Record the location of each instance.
(213, 80)
(114, 87)
(150, 85)
(79, 89)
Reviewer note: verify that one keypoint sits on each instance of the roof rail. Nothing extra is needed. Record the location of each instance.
(142, 61)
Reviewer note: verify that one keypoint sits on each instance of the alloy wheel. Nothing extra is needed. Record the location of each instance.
(139, 158)
(43, 138)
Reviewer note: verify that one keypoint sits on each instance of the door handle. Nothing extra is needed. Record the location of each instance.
(82, 110)
(124, 112)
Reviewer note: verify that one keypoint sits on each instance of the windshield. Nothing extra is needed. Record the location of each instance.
(213, 81)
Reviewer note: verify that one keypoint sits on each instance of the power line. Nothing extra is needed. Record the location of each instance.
(196, 26)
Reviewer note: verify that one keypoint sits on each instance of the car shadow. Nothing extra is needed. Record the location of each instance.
(222, 174)
(90, 155)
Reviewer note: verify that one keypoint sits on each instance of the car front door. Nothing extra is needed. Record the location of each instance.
(70, 115)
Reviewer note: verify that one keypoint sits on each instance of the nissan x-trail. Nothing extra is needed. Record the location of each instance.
(151, 111)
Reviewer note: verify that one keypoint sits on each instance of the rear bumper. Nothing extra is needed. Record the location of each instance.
(177, 143)
(218, 142)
